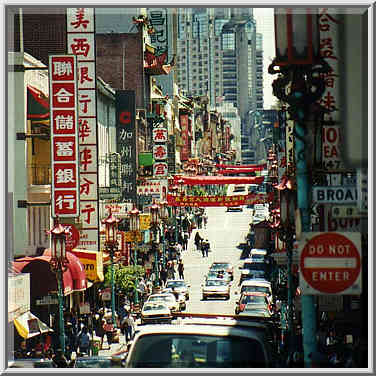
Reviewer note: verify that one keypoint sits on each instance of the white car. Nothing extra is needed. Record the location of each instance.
(168, 299)
(215, 288)
(179, 296)
(179, 285)
(253, 285)
(157, 312)
(258, 255)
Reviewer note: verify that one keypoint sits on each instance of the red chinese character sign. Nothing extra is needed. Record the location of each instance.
(160, 152)
(330, 263)
(64, 136)
(160, 169)
(81, 43)
(73, 237)
(160, 135)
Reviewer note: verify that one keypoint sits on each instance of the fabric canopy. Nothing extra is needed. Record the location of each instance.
(210, 180)
(38, 107)
(255, 167)
(29, 326)
(76, 268)
(38, 266)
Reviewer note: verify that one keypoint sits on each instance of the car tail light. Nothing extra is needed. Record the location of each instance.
(241, 307)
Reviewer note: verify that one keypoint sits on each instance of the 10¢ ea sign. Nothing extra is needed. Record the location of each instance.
(330, 263)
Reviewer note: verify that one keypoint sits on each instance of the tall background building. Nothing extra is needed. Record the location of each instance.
(220, 54)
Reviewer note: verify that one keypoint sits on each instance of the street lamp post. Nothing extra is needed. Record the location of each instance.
(164, 218)
(300, 84)
(134, 226)
(111, 244)
(59, 264)
(175, 189)
(154, 211)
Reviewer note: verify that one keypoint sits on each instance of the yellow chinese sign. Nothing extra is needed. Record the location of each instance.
(131, 236)
(145, 222)
(92, 262)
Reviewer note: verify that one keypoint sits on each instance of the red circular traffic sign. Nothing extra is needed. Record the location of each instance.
(330, 263)
(71, 239)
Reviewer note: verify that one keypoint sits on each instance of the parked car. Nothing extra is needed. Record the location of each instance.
(258, 255)
(223, 265)
(259, 299)
(31, 363)
(257, 285)
(157, 312)
(251, 270)
(215, 288)
(255, 310)
(168, 299)
(179, 285)
(203, 343)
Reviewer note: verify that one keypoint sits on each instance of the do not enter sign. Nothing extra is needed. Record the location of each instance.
(330, 263)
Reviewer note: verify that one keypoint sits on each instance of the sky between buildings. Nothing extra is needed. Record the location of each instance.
(265, 25)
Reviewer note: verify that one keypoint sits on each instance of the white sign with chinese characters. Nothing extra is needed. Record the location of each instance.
(64, 136)
(81, 43)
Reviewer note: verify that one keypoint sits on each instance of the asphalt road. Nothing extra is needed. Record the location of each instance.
(225, 230)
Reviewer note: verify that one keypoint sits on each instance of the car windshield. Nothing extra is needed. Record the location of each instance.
(150, 307)
(164, 298)
(253, 266)
(219, 266)
(175, 284)
(192, 350)
(254, 299)
(212, 282)
(263, 289)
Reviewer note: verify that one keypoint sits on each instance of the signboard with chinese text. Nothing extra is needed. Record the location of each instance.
(329, 25)
(204, 201)
(330, 263)
(126, 137)
(160, 169)
(184, 125)
(81, 43)
(18, 295)
(159, 21)
(64, 136)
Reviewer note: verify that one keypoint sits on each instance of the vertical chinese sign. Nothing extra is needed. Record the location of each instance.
(158, 20)
(64, 136)
(160, 152)
(126, 136)
(184, 154)
(81, 43)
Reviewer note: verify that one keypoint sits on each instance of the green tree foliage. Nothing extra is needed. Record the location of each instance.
(124, 277)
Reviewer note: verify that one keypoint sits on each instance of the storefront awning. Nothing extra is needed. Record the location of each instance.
(76, 268)
(28, 325)
(209, 180)
(42, 279)
(38, 107)
(92, 262)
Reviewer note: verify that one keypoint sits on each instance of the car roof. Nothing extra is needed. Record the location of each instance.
(253, 293)
(255, 282)
(202, 327)
(258, 251)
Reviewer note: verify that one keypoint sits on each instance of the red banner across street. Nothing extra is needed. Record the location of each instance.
(203, 201)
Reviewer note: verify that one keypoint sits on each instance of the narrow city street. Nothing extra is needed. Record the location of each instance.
(225, 230)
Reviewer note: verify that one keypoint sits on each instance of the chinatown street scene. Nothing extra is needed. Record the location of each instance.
(187, 188)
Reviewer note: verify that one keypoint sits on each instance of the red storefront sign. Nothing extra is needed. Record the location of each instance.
(184, 124)
(73, 237)
(64, 136)
(330, 263)
(204, 201)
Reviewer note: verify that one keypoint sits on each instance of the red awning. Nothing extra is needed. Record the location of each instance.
(76, 268)
(39, 268)
(38, 107)
(209, 180)
(254, 167)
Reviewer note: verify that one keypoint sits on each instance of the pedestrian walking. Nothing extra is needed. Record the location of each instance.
(207, 247)
(59, 360)
(170, 270)
(185, 240)
(163, 275)
(198, 240)
(83, 341)
(181, 269)
(108, 328)
(205, 218)
(203, 248)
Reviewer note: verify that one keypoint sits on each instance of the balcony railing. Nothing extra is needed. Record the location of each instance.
(39, 174)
